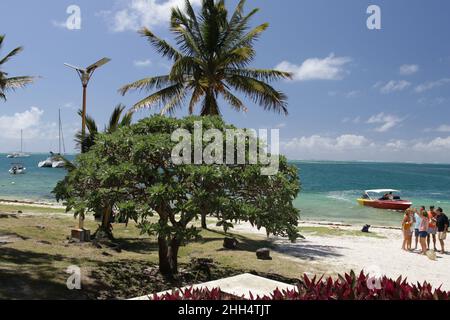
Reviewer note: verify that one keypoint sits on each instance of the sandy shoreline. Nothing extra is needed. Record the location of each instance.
(340, 254)
(376, 255)
(31, 203)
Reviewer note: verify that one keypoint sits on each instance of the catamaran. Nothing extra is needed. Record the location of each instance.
(20, 154)
(388, 199)
(55, 161)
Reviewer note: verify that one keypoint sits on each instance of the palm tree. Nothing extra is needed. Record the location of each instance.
(11, 83)
(212, 60)
(117, 120)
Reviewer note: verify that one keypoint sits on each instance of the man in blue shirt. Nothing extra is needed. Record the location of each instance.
(417, 222)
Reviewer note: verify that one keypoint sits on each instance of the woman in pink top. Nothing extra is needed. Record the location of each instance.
(423, 232)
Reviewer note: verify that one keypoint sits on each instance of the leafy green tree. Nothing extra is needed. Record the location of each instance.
(212, 60)
(8, 83)
(117, 120)
(133, 170)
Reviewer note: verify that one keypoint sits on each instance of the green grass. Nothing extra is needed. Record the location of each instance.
(336, 232)
(33, 267)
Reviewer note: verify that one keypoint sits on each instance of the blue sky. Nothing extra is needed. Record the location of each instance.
(357, 94)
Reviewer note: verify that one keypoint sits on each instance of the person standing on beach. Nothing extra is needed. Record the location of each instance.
(432, 231)
(442, 226)
(407, 226)
(423, 232)
(418, 220)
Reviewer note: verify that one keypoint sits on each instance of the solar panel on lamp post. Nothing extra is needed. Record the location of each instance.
(85, 76)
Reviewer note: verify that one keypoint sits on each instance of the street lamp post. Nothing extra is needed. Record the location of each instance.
(85, 76)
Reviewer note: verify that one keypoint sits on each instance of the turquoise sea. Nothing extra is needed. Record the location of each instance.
(329, 189)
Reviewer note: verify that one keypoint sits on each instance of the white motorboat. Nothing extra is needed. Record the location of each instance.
(17, 168)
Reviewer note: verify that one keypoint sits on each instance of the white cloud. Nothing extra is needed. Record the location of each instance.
(392, 86)
(28, 120)
(431, 85)
(397, 144)
(386, 121)
(443, 128)
(355, 120)
(357, 147)
(142, 13)
(142, 63)
(352, 94)
(38, 134)
(329, 68)
(436, 145)
(338, 144)
(409, 69)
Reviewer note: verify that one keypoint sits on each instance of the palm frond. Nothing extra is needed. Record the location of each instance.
(175, 103)
(162, 46)
(11, 54)
(114, 120)
(260, 92)
(146, 84)
(160, 97)
(267, 75)
(183, 67)
(17, 82)
(196, 96)
(234, 101)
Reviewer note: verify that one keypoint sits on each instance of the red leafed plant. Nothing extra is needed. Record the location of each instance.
(347, 287)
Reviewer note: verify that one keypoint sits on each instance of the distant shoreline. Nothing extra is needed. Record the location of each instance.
(291, 160)
(31, 203)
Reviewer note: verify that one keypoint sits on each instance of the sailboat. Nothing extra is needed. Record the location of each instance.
(55, 161)
(58, 162)
(20, 154)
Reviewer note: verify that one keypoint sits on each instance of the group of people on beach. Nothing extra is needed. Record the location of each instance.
(426, 226)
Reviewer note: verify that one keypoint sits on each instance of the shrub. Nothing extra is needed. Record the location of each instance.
(347, 287)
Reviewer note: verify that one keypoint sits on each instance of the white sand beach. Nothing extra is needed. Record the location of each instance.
(373, 254)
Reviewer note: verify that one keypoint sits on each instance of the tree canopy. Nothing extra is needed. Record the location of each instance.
(133, 170)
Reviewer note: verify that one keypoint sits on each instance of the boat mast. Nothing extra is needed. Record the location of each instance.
(59, 134)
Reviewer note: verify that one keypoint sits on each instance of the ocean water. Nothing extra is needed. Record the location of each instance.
(329, 189)
(36, 185)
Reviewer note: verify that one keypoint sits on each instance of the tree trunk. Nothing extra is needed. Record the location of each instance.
(105, 229)
(173, 254)
(204, 224)
(164, 263)
(168, 256)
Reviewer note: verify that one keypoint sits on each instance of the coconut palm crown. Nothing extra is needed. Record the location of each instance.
(211, 61)
(8, 83)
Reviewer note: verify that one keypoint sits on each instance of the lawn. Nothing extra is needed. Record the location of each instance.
(35, 254)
